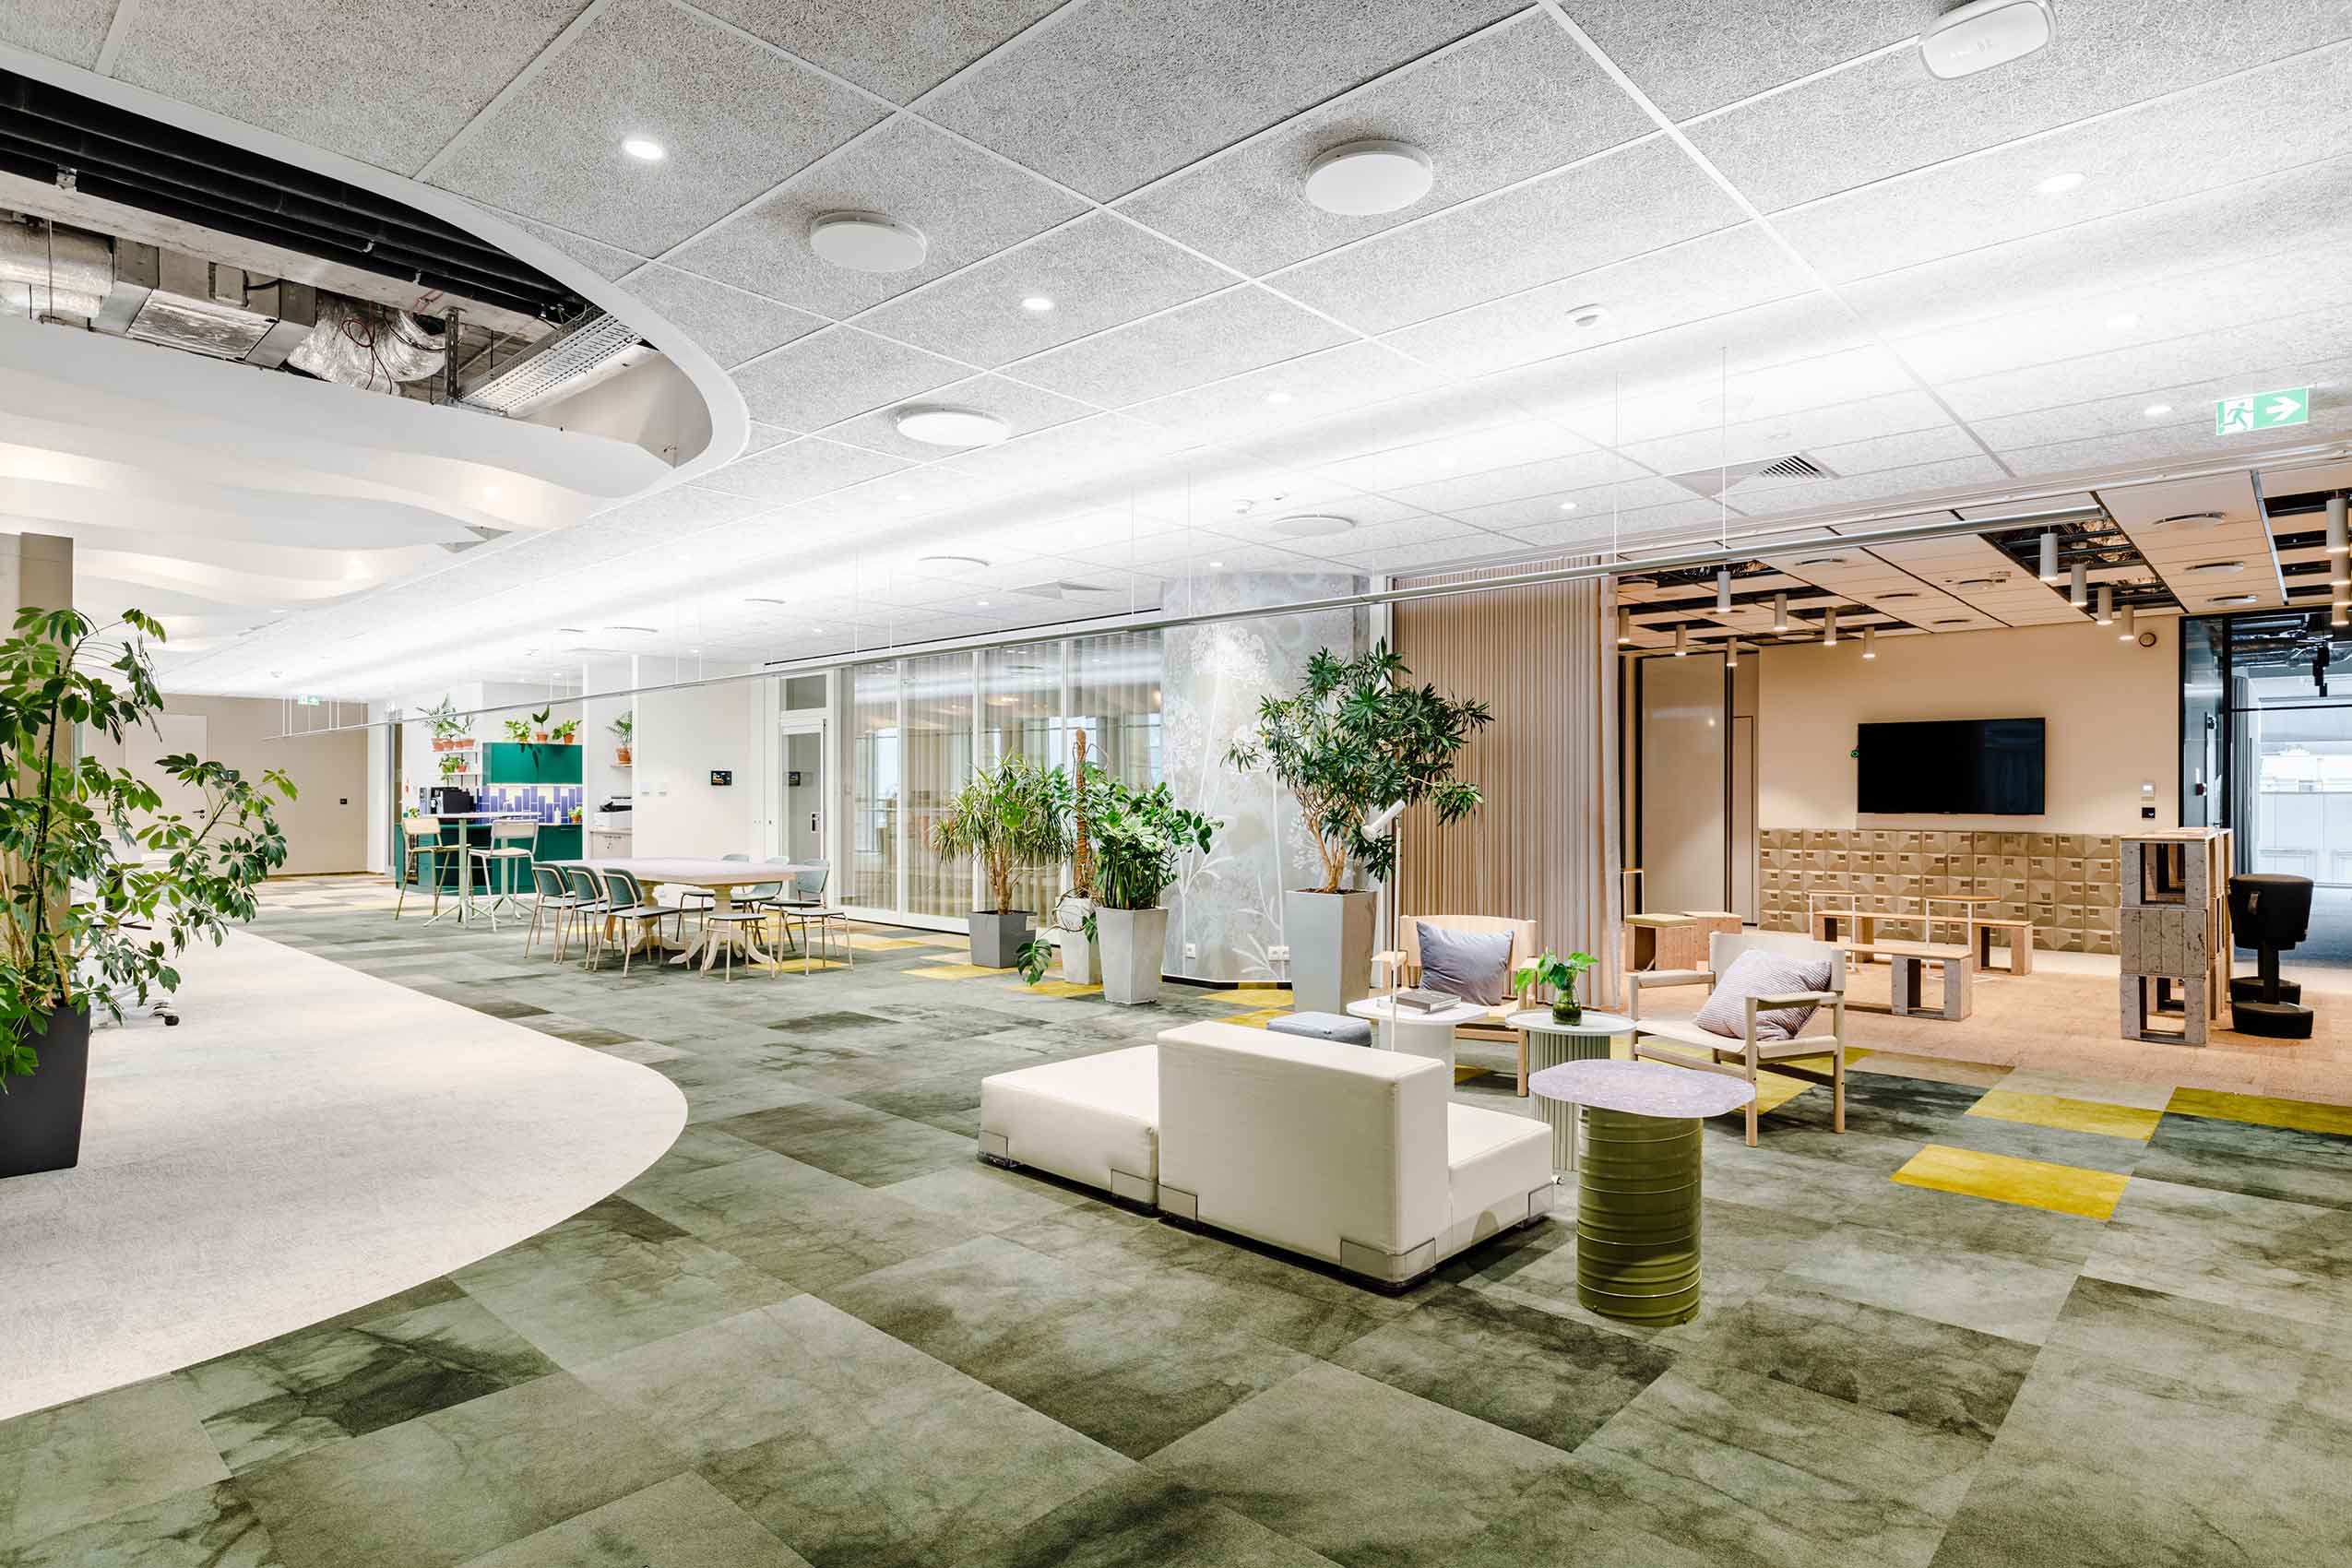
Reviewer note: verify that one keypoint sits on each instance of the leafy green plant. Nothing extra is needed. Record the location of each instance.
(1355, 739)
(1139, 836)
(539, 720)
(61, 817)
(518, 728)
(445, 721)
(564, 732)
(1561, 974)
(626, 727)
(1036, 953)
(1011, 817)
(452, 764)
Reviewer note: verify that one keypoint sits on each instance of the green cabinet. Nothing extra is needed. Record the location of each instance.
(527, 762)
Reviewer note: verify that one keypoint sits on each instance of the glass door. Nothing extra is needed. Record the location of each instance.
(803, 754)
(2284, 772)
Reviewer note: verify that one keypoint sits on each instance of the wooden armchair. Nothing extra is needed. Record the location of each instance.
(1684, 1044)
(1404, 966)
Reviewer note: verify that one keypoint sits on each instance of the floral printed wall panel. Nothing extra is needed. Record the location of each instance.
(1229, 903)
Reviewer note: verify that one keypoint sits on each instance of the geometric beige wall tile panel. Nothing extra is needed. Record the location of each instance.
(2067, 883)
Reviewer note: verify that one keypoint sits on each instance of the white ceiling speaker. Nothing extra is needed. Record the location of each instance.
(936, 424)
(1367, 177)
(1984, 33)
(1588, 317)
(866, 241)
(1310, 525)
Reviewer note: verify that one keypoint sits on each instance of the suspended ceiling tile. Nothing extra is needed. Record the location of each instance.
(71, 31)
(2182, 524)
(964, 204)
(836, 374)
(1241, 329)
(1589, 507)
(1506, 104)
(1114, 93)
(2221, 357)
(733, 326)
(1248, 407)
(1576, 476)
(1463, 452)
(1971, 568)
(1693, 55)
(645, 69)
(897, 48)
(1807, 431)
(605, 261)
(1891, 487)
(799, 470)
(1024, 408)
(1652, 195)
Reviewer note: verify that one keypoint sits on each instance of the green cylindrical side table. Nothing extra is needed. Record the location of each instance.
(1637, 1192)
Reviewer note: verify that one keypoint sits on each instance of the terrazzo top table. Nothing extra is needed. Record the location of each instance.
(1643, 1088)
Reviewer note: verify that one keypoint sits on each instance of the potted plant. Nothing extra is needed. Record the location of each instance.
(538, 724)
(626, 727)
(1075, 930)
(518, 729)
(566, 732)
(1139, 834)
(453, 764)
(1355, 740)
(1561, 975)
(61, 821)
(1009, 817)
(449, 731)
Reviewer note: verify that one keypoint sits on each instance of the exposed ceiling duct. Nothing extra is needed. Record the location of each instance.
(370, 348)
(46, 270)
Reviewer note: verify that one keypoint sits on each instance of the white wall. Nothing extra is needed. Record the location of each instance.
(681, 737)
(2112, 709)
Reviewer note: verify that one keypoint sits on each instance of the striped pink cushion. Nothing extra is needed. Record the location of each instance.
(1758, 972)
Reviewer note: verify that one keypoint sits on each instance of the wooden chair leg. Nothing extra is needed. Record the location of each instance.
(1837, 1090)
(1523, 1064)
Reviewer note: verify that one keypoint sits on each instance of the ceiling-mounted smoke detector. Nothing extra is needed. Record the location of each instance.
(1310, 525)
(1984, 33)
(1367, 177)
(866, 241)
(937, 424)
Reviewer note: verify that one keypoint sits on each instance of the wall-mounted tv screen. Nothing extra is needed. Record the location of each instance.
(1950, 766)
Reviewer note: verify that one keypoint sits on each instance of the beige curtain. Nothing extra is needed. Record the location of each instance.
(1545, 847)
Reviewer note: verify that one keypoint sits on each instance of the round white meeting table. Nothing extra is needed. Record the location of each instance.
(1416, 1033)
(719, 878)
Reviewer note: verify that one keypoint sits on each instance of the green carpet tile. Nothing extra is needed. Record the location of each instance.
(818, 1332)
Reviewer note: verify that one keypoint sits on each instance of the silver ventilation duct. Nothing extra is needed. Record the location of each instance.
(369, 347)
(47, 271)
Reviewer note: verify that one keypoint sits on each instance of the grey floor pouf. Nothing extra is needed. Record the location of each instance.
(1335, 1027)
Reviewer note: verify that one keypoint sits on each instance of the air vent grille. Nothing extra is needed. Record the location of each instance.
(1794, 465)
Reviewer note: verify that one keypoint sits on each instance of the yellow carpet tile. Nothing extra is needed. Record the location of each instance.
(1774, 1090)
(2301, 1115)
(1065, 988)
(887, 943)
(955, 971)
(2002, 1178)
(1256, 1020)
(2071, 1115)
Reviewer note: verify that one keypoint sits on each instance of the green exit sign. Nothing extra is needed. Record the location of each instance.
(2263, 411)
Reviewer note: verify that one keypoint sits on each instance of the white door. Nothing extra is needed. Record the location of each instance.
(802, 757)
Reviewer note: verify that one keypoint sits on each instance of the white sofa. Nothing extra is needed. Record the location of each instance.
(1358, 1157)
(1092, 1119)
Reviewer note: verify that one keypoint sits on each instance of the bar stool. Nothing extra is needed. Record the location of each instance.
(427, 853)
(504, 838)
(625, 900)
(588, 904)
(552, 896)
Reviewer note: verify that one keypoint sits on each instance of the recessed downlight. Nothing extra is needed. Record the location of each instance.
(866, 241)
(1310, 525)
(1567, 505)
(1366, 177)
(1217, 565)
(645, 149)
(1278, 397)
(2157, 410)
(938, 424)
(2059, 184)
(1587, 316)
(1037, 304)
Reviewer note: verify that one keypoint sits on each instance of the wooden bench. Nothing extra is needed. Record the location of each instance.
(1909, 959)
(2020, 942)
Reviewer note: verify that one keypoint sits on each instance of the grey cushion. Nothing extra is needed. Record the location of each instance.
(1337, 1027)
(1760, 972)
(1474, 966)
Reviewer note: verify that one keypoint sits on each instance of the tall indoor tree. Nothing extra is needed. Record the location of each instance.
(1010, 817)
(103, 887)
(1356, 738)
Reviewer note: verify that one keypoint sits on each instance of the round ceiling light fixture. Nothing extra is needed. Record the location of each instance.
(1362, 178)
(866, 241)
(951, 561)
(1567, 505)
(1310, 525)
(2157, 410)
(1037, 304)
(1588, 317)
(645, 149)
(937, 424)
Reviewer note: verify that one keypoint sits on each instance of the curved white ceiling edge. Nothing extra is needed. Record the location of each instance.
(729, 421)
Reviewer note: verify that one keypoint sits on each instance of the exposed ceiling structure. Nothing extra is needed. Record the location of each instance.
(1680, 271)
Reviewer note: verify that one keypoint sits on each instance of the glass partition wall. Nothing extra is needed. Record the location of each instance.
(915, 728)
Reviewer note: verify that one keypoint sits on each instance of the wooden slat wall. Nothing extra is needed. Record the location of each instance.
(1545, 846)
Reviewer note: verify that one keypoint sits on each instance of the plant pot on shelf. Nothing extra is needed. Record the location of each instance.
(998, 936)
(620, 756)
(1330, 936)
(1132, 943)
(40, 1117)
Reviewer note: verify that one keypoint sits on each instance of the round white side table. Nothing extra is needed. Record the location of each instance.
(1550, 1044)
(1417, 1034)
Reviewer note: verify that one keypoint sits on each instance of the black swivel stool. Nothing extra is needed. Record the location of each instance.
(2269, 912)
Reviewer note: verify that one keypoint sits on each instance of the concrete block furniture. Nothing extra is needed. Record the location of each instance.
(1351, 1156)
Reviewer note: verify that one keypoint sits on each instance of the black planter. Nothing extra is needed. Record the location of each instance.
(40, 1117)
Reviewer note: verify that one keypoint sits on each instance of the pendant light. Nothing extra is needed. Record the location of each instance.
(2106, 616)
(1624, 626)
(2050, 557)
(1681, 641)
(1829, 627)
(1779, 612)
(1731, 655)
(1870, 642)
(2078, 591)
(2339, 572)
(2339, 614)
(2130, 632)
(1723, 590)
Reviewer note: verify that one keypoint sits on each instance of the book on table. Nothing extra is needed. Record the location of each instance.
(1424, 1000)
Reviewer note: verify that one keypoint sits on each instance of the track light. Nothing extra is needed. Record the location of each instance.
(1723, 590)
(2078, 591)
(1870, 642)
(1624, 625)
(1779, 612)
(1681, 641)
(1829, 627)
(2050, 558)
(2130, 632)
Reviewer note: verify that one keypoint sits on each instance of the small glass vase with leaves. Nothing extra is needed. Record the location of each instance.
(1561, 975)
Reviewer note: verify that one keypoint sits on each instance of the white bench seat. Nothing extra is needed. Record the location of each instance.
(1093, 1120)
